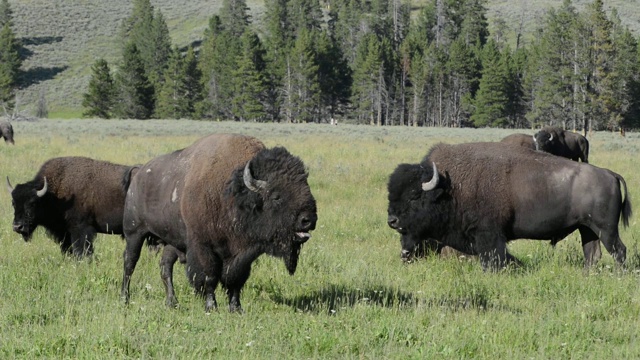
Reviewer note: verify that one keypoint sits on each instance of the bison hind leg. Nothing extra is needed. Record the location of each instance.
(610, 238)
(169, 257)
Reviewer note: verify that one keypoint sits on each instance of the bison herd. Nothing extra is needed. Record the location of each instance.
(220, 203)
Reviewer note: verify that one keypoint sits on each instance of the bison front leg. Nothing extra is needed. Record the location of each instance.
(82, 241)
(204, 269)
(492, 250)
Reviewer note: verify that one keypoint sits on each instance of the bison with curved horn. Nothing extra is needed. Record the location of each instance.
(222, 201)
(73, 198)
(476, 197)
(567, 144)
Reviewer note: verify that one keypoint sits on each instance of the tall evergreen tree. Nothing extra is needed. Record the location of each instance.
(369, 86)
(301, 84)
(6, 13)
(134, 92)
(334, 76)
(98, 100)
(491, 99)
(250, 86)
(234, 15)
(10, 63)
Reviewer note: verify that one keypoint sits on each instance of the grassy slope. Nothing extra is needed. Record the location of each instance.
(351, 298)
(64, 38)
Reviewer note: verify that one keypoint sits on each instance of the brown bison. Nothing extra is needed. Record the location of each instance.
(222, 201)
(520, 140)
(562, 143)
(6, 132)
(476, 197)
(73, 198)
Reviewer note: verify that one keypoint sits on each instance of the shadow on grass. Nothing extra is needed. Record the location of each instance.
(39, 74)
(335, 297)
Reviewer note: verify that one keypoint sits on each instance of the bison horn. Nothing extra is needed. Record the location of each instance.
(428, 186)
(42, 191)
(9, 187)
(251, 183)
(550, 137)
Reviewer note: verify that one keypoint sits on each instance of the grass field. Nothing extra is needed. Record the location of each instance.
(351, 298)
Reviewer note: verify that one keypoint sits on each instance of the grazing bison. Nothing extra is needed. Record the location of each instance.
(6, 132)
(563, 143)
(520, 140)
(476, 197)
(73, 198)
(223, 201)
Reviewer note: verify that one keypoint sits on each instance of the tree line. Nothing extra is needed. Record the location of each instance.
(371, 62)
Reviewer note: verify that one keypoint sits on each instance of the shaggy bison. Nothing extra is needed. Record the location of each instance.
(73, 198)
(520, 140)
(6, 132)
(563, 143)
(223, 201)
(476, 197)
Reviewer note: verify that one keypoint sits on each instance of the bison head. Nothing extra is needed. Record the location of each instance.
(544, 140)
(25, 200)
(418, 206)
(273, 204)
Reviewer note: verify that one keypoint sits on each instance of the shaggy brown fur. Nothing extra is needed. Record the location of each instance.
(520, 140)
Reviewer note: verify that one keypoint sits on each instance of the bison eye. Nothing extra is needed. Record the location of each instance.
(275, 197)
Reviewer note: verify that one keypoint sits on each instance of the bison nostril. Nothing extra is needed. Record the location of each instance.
(393, 222)
(17, 227)
(405, 254)
(306, 221)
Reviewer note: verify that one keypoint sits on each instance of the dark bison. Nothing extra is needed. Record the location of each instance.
(6, 132)
(477, 197)
(563, 143)
(223, 201)
(520, 140)
(73, 198)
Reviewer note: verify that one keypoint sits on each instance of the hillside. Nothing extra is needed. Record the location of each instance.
(63, 38)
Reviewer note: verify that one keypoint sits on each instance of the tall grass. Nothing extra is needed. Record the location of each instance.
(351, 297)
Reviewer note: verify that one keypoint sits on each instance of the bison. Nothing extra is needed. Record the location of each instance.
(525, 140)
(476, 197)
(563, 143)
(73, 198)
(223, 201)
(6, 132)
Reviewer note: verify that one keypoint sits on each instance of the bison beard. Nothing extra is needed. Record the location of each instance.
(223, 201)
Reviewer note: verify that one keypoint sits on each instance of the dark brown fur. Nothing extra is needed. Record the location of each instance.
(6, 132)
(567, 144)
(487, 196)
(520, 140)
(196, 201)
(83, 197)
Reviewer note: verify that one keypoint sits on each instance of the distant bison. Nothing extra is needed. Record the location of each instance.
(563, 143)
(477, 197)
(520, 140)
(73, 198)
(223, 201)
(6, 132)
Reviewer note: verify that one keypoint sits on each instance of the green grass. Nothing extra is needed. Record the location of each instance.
(351, 298)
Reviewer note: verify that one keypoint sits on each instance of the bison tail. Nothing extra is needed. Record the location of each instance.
(128, 175)
(626, 203)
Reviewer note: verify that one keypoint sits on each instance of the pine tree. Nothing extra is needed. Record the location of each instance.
(368, 81)
(491, 99)
(98, 100)
(6, 14)
(250, 86)
(171, 102)
(10, 63)
(134, 92)
(234, 16)
(219, 52)
(334, 76)
(626, 77)
(462, 75)
(301, 85)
